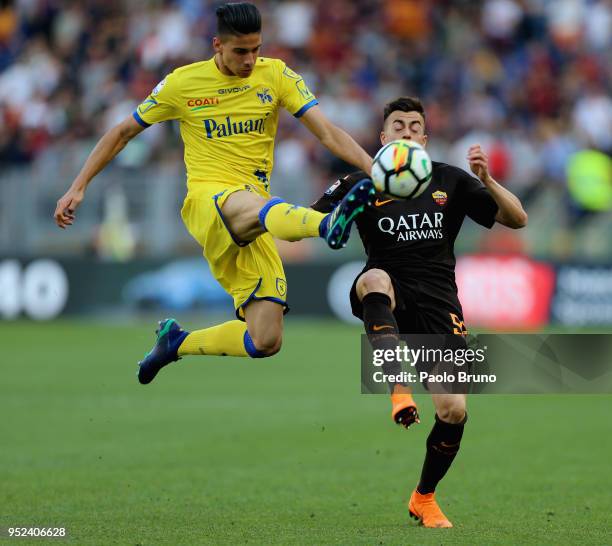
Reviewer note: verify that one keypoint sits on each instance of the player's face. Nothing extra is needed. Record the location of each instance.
(237, 55)
(404, 125)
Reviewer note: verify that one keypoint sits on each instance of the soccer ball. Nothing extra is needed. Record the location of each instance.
(401, 169)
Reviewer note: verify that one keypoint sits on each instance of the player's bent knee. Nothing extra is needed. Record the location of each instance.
(453, 412)
(268, 345)
(374, 280)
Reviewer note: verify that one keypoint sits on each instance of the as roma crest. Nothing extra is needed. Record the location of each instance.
(281, 286)
(440, 197)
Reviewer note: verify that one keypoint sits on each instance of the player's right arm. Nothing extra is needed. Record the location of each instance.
(105, 150)
(298, 100)
(336, 140)
(160, 105)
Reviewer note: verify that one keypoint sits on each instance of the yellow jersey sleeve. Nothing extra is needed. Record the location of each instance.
(161, 104)
(294, 94)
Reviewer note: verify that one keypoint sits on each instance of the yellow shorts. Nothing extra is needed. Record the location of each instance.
(247, 272)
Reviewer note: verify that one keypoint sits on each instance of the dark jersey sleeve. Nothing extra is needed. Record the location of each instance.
(479, 205)
(334, 194)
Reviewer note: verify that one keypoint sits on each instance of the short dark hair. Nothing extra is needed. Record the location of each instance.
(404, 104)
(238, 18)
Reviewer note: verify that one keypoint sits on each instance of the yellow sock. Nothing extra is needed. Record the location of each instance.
(225, 339)
(290, 222)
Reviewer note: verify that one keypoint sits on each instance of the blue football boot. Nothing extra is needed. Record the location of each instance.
(169, 338)
(336, 226)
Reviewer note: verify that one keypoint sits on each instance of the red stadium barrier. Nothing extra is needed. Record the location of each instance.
(505, 292)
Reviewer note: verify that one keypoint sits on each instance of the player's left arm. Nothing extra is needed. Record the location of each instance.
(510, 211)
(336, 140)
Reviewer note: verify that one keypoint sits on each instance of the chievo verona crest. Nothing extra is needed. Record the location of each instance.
(230, 127)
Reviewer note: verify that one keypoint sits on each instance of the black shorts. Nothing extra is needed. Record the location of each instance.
(422, 306)
(428, 315)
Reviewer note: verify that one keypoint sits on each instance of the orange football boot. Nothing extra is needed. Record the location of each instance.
(404, 410)
(426, 509)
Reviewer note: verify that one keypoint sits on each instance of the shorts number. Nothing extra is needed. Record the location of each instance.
(458, 325)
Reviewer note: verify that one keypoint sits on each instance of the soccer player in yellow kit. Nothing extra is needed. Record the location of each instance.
(228, 108)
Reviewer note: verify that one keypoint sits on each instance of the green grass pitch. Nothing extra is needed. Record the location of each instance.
(276, 451)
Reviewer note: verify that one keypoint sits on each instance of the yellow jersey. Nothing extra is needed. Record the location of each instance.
(227, 123)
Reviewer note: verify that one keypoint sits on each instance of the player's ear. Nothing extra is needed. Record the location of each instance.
(217, 44)
(424, 141)
(383, 138)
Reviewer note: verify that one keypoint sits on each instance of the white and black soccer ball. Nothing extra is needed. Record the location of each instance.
(402, 169)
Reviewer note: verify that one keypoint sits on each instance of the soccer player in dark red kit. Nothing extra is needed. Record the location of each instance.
(408, 283)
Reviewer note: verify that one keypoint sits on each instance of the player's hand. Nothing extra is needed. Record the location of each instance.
(479, 162)
(66, 207)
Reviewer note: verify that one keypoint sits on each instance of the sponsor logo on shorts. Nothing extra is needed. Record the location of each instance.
(281, 286)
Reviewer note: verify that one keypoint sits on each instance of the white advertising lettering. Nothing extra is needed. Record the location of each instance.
(413, 227)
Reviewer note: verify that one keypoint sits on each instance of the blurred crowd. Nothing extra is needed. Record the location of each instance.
(531, 80)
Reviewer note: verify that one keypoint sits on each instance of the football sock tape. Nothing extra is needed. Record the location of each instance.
(250, 346)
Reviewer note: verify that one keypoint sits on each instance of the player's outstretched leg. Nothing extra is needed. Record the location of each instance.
(292, 223)
(336, 227)
(233, 338)
(170, 336)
